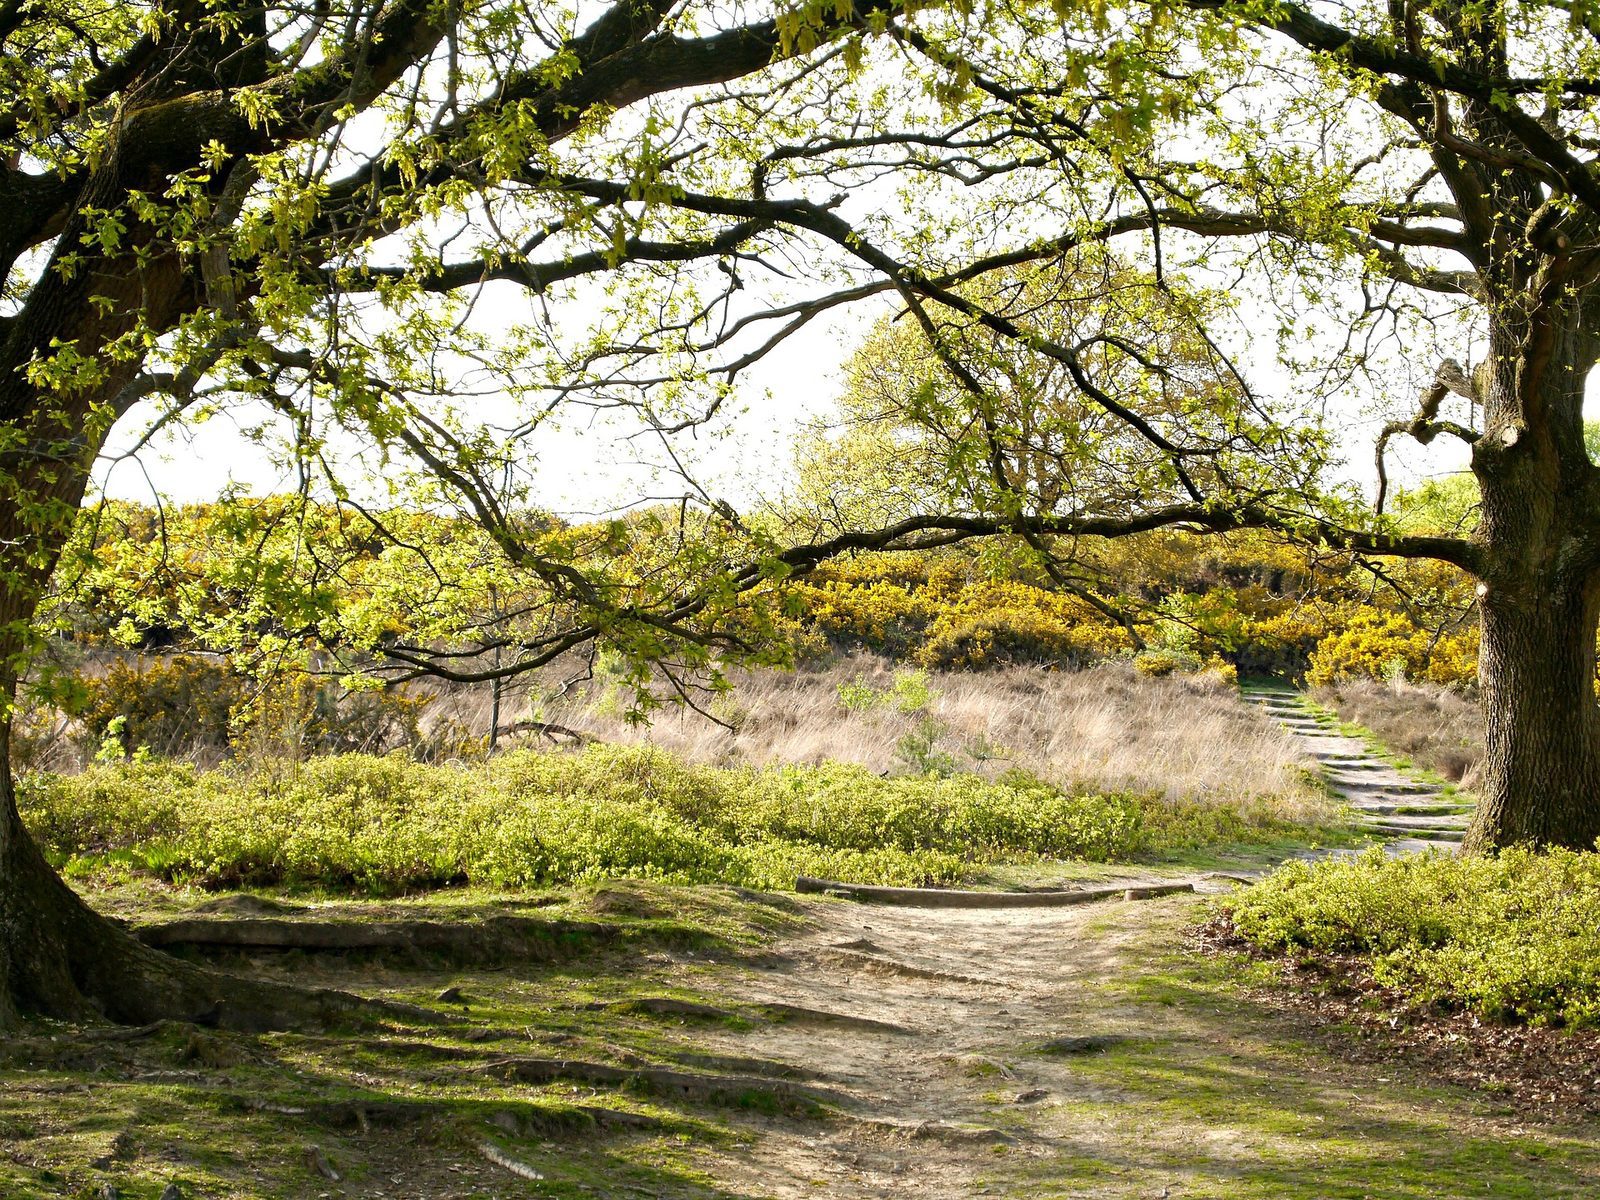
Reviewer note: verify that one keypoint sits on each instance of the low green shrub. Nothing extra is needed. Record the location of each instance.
(909, 693)
(1514, 937)
(389, 824)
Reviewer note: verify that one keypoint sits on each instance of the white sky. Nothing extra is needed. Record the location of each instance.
(590, 469)
(584, 469)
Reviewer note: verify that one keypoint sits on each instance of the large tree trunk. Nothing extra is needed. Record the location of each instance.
(59, 958)
(1539, 601)
(1541, 781)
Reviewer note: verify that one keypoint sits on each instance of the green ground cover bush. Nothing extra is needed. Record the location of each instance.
(389, 824)
(1513, 937)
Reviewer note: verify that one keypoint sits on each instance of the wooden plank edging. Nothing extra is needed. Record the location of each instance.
(953, 898)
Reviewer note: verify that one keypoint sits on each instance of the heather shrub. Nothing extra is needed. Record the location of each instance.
(1513, 936)
(389, 824)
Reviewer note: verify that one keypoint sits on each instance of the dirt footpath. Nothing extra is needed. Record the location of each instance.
(937, 1031)
(1056, 1052)
(640, 1040)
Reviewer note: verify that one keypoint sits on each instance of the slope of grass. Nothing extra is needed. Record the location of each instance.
(1436, 728)
(1188, 738)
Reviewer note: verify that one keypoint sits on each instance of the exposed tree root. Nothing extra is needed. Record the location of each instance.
(59, 958)
(1090, 1043)
(816, 1016)
(766, 1068)
(243, 904)
(866, 961)
(1151, 891)
(495, 939)
(715, 1089)
(366, 1115)
(667, 1006)
(131, 1033)
(937, 1131)
(671, 1006)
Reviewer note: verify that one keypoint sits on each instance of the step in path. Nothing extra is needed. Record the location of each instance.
(1403, 811)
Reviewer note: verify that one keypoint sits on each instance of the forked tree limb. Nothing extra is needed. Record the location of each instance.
(1426, 425)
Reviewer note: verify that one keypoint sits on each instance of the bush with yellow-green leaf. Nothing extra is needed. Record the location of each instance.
(970, 640)
(388, 824)
(1513, 936)
(937, 575)
(1280, 643)
(953, 623)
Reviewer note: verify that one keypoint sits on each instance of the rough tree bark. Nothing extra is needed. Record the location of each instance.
(1541, 781)
(57, 956)
(1539, 567)
(60, 958)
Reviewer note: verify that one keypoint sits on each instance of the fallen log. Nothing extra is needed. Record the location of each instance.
(495, 938)
(954, 898)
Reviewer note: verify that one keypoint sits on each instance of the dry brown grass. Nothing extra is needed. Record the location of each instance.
(1184, 737)
(1437, 728)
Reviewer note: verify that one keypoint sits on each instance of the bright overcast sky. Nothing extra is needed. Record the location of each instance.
(590, 469)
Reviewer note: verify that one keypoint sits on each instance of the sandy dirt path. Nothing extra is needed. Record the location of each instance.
(953, 1079)
(1055, 1052)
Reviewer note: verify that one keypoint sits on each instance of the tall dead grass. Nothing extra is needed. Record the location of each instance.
(1437, 728)
(1108, 728)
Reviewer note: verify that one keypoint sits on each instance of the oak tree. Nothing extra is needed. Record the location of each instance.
(431, 227)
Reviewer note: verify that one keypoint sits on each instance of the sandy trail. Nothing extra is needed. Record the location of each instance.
(1161, 1082)
(947, 1105)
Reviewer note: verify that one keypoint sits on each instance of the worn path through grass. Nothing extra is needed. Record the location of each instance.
(1405, 808)
(709, 1043)
(1085, 1053)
